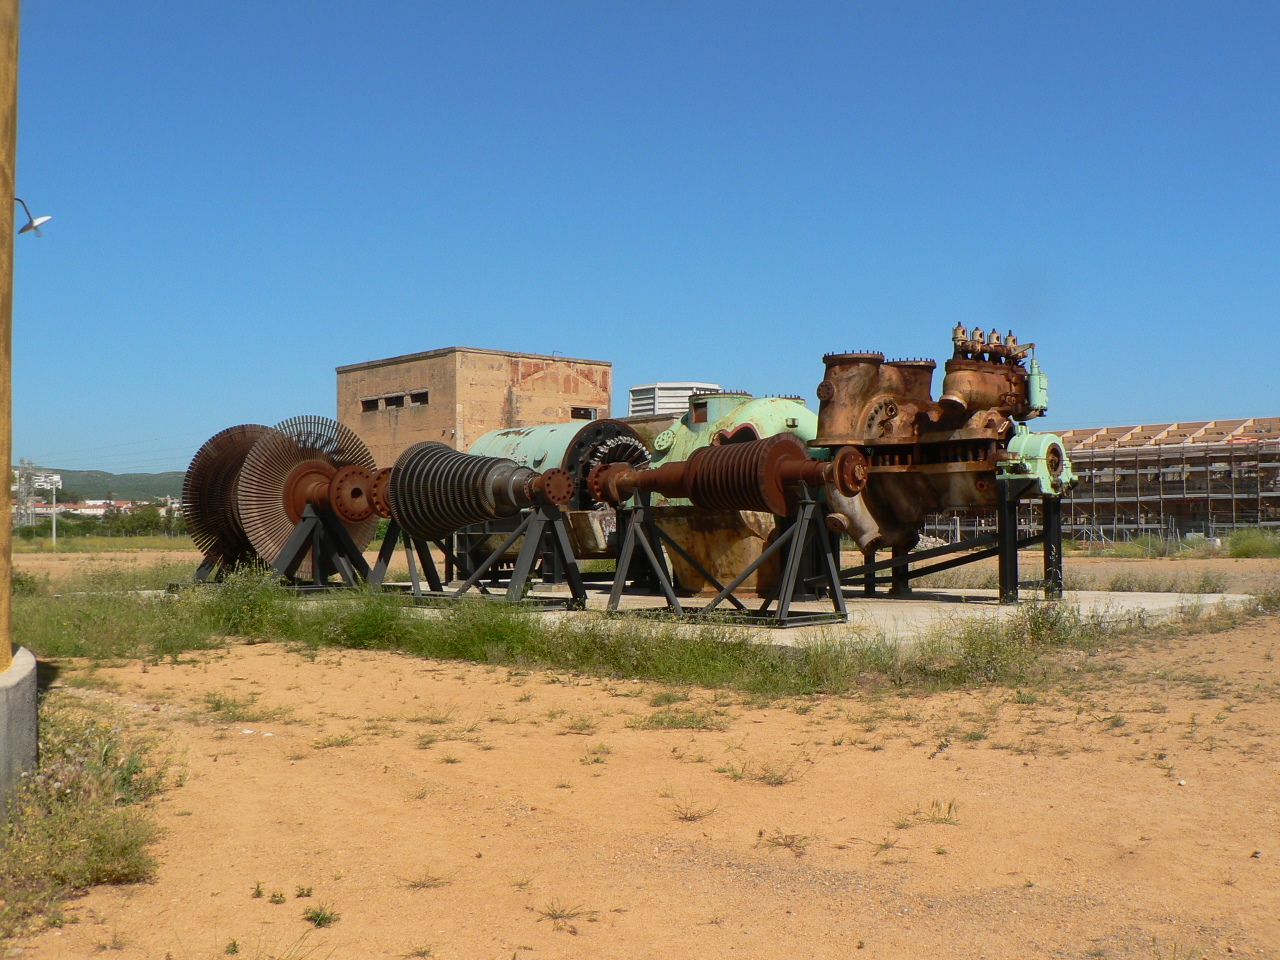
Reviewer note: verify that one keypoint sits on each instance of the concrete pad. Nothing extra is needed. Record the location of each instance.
(930, 611)
(17, 720)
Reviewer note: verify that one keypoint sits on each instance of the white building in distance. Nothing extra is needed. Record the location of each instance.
(670, 397)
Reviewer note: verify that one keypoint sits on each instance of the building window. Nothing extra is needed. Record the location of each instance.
(396, 401)
(369, 405)
(582, 413)
(419, 398)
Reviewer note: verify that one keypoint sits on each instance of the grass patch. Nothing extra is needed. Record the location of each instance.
(557, 912)
(336, 740)
(664, 698)
(228, 708)
(797, 843)
(679, 718)
(79, 820)
(689, 812)
(972, 652)
(428, 881)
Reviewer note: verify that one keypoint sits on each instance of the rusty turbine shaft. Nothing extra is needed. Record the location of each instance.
(756, 475)
(301, 462)
(434, 490)
(209, 494)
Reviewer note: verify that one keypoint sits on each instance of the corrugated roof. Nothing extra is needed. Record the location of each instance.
(1162, 434)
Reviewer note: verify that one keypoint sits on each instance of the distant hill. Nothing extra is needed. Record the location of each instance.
(95, 484)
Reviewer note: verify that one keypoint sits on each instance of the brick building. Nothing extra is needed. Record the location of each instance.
(455, 394)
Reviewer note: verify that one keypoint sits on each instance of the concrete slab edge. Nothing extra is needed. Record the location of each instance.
(18, 720)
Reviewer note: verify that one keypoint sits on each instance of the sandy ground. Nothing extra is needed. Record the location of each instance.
(1132, 812)
(60, 566)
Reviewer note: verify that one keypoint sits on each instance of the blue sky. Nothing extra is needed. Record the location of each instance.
(247, 195)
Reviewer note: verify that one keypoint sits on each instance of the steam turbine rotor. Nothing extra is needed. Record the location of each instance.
(305, 461)
(209, 502)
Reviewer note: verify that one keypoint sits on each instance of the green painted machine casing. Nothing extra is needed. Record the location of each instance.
(1036, 456)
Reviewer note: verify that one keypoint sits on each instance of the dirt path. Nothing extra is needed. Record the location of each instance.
(1141, 802)
(60, 566)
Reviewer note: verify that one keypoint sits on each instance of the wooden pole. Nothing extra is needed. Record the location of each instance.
(8, 151)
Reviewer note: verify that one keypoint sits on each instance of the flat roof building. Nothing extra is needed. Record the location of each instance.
(668, 397)
(455, 394)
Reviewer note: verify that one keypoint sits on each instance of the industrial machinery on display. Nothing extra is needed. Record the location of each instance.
(577, 449)
(969, 449)
(305, 498)
(295, 496)
(725, 541)
(775, 476)
(743, 495)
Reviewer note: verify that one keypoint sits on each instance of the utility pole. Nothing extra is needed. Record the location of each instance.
(18, 710)
(8, 157)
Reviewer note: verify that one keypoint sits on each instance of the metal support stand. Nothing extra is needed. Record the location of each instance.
(900, 576)
(209, 568)
(807, 523)
(643, 531)
(1051, 523)
(1004, 545)
(545, 521)
(321, 535)
(1007, 541)
(796, 538)
(395, 536)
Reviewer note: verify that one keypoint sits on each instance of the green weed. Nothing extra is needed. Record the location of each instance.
(77, 820)
(321, 915)
(676, 718)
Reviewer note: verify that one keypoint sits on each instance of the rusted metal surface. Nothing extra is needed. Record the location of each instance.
(307, 483)
(290, 467)
(209, 495)
(923, 455)
(725, 542)
(350, 492)
(757, 475)
(550, 486)
(378, 493)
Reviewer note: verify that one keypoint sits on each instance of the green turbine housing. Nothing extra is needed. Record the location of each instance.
(729, 418)
(577, 446)
(1041, 457)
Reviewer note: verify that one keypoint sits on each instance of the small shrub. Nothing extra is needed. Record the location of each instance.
(249, 602)
(1253, 542)
(25, 584)
(664, 698)
(321, 915)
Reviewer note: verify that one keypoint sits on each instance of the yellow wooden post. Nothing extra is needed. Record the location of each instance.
(8, 150)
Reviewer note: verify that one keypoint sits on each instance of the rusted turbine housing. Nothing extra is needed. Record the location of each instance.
(209, 494)
(344, 490)
(378, 495)
(758, 475)
(434, 490)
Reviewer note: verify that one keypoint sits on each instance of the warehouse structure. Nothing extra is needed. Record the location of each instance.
(1159, 479)
(1171, 479)
(455, 394)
